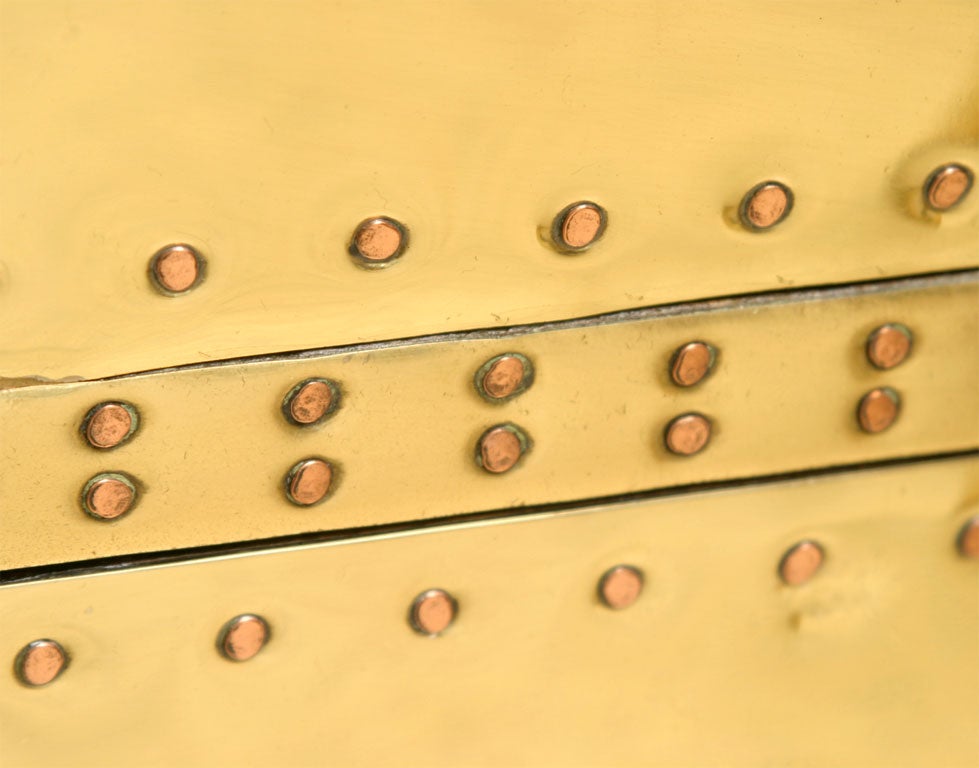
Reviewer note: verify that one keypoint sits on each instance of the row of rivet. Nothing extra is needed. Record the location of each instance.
(499, 449)
(380, 241)
(433, 611)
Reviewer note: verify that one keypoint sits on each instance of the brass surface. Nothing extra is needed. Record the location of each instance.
(889, 346)
(705, 670)
(687, 434)
(472, 123)
(215, 438)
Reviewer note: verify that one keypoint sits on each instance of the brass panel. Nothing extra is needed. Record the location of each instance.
(213, 446)
(262, 133)
(875, 662)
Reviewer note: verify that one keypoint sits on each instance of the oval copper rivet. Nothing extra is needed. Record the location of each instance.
(243, 637)
(309, 482)
(947, 187)
(108, 495)
(888, 346)
(504, 376)
(378, 242)
(691, 363)
(801, 563)
(40, 662)
(687, 434)
(620, 586)
(110, 424)
(968, 539)
(765, 205)
(500, 448)
(579, 226)
(311, 401)
(176, 269)
(433, 612)
(878, 409)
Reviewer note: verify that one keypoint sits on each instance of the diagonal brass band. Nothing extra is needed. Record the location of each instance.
(215, 459)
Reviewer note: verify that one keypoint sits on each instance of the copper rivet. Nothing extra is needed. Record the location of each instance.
(243, 637)
(800, 563)
(176, 269)
(947, 187)
(433, 612)
(40, 662)
(968, 539)
(309, 482)
(620, 586)
(379, 241)
(688, 434)
(766, 205)
(888, 346)
(878, 409)
(311, 401)
(109, 424)
(501, 447)
(691, 363)
(108, 495)
(579, 226)
(504, 376)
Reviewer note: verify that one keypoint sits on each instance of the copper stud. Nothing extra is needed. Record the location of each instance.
(243, 637)
(504, 377)
(620, 586)
(765, 205)
(688, 434)
(309, 482)
(109, 495)
(691, 363)
(176, 269)
(108, 425)
(888, 346)
(378, 242)
(800, 563)
(878, 409)
(40, 662)
(311, 401)
(500, 448)
(433, 612)
(968, 539)
(579, 226)
(947, 187)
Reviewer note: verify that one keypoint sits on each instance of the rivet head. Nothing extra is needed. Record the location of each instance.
(500, 448)
(691, 363)
(688, 434)
(878, 409)
(311, 402)
(309, 482)
(108, 425)
(620, 586)
(176, 269)
(40, 662)
(504, 377)
(968, 539)
(947, 186)
(765, 205)
(378, 242)
(888, 346)
(578, 226)
(109, 495)
(243, 637)
(800, 563)
(433, 612)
